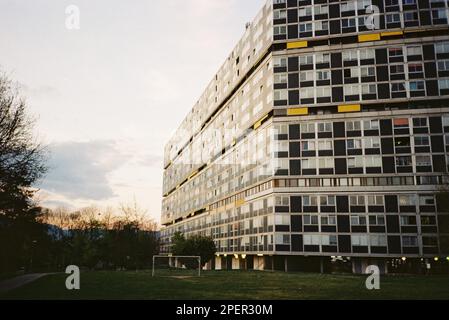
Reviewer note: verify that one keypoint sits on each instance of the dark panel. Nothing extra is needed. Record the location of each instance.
(387, 146)
(293, 64)
(334, 26)
(293, 80)
(437, 144)
(292, 16)
(391, 204)
(296, 223)
(297, 243)
(436, 125)
(341, 166)
(383, 73)
(295, 149)
(339, 130)
(294, 132)
(429, 52)
(388, 165)
(337, 94)
(432, 88)
(342, 204)
(337, 77)
(386, 128)
(296, 204)
(383, 91)
(430, 69)
(334, 11)
(343, 224)
(439, 163)
(393, 224)
(340, 147)
(344, 244)
(295, 167)
(394, 245)
(293, 97)
(336, 60)
(381, 56)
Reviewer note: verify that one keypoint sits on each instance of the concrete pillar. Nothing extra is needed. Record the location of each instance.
(321, 265)
(286, 264)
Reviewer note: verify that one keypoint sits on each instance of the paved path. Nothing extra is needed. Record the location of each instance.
(20, 281)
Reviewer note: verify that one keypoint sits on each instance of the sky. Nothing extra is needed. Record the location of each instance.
(108, 95)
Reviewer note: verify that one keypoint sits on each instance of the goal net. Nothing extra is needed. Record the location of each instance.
(176, 266)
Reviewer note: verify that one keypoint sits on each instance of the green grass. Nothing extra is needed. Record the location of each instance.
(233, 286)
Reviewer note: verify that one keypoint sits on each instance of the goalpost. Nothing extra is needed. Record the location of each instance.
(176, 265)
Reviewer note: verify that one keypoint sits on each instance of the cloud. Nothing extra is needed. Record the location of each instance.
(80, 170)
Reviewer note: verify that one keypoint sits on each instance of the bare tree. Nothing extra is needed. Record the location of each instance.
(22, 158)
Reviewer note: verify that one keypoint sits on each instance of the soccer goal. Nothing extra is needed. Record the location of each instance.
(176, 266)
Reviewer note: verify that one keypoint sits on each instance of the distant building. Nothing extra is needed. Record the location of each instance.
(323, 137)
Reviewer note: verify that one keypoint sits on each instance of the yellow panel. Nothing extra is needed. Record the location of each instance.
(239, 202)
(194, 173)
(259, 123)
(392, 33)
(350, 108)
(297, 44)
(298, 112)
(369, 37)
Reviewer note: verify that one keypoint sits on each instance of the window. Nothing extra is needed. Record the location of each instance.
(322, 75)
(375, 200)
(354, 144)
(426, 200)
(422, 141)
(410, 16)
(367, 54)
(350, 55)
(397, 69)
(306, 76)
(407, 200)
(309, 201)
(390, 3)
(409, 241)
(323, 92)
(326, 163)
(348, 6)
(395, 52)
(404, 161)
(409, 2)
(371, 125)
(367, 72)
(415, 68)
(439, 14)
(372, 142)
(359, 241)
(280, 220)
(423, 161)
(373, 162)
(280, 95)
(308, 164)
(420, 123)
(280, 62)
(323, 58)
(321, 9)
(307, 93)
(280, 78)
(442, 47)
(414, 51)
(369, 89)
(443, 65)
(307, 11)
(305, 60)
(283, 239)
(347, 23)
(378, 241)
(355, 162)
(321, 26)
(417, 86)
(305, 27)
(357, 201)
(393, 18)
(282, 201)
(443, 84)
(307, 127)
(398, 87)
(325, 127)
(327, 201)
(280, 30)
(352, 90)
(329, 240)
(280, 14)
(308, 145)
(377, 220)
(312, 240)
(358, 221)
(324, 145)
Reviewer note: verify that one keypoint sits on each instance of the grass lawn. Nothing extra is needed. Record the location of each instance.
(233, 285)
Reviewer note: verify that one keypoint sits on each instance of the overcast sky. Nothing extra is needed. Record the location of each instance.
(109, 95)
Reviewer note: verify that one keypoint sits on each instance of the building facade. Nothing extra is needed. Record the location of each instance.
(322, 141)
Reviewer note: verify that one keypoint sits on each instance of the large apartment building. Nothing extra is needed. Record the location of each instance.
(322, 140)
